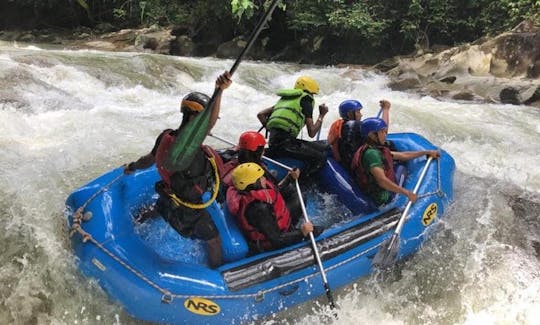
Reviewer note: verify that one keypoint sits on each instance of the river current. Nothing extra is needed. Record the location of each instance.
(67, 117)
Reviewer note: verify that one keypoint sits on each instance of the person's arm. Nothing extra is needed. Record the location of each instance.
(264, 115)
(141, 163)
(147, 160)
(385, 106)
(259, 215)
(292, 174)
(408, 155)
(314, 127)
(223, 82)
(387, 184)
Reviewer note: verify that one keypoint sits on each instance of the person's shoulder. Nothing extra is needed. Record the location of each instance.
(372, 153)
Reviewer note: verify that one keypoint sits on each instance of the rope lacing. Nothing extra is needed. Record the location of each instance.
(168, 296)
(439, 192)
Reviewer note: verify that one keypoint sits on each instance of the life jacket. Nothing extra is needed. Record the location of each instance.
(365, 180)
(287, 113)
(349, 141)
(334, 135)
(198, 183)
(226, 172)
(238, 201)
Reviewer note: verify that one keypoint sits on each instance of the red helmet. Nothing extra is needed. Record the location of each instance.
(251, 140)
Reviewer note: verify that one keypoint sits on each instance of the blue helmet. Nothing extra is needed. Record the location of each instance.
(347, 106)
(372, 124)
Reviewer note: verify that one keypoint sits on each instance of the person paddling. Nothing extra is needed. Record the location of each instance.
(251, 149)
(261, 212)
(342, 136)
(373, 163)
(180, 201)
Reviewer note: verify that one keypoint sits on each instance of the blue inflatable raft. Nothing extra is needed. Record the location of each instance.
(159, 276)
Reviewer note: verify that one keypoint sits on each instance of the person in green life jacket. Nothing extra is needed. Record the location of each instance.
(285, 120)
(180, 202)
(373, 163)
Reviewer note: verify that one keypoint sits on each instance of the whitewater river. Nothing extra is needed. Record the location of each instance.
(67, 117)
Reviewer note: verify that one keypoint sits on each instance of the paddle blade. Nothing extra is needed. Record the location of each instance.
(189, 139)
(387, 253)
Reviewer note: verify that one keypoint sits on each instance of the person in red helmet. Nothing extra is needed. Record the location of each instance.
(250, 150)
(180, 193)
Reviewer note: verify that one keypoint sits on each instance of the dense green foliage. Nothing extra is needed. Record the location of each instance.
(375, 27)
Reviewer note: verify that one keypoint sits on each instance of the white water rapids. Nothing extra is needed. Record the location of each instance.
(67, 117)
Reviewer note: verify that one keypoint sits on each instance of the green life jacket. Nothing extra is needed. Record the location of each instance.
(287, 114)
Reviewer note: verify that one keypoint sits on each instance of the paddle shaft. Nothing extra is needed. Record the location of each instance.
(191, 138)
(315, 249)
(264, 157)
(250, 43)
(403, 217)
(306, 218)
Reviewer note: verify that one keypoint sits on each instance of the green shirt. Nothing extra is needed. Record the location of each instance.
(373, 158)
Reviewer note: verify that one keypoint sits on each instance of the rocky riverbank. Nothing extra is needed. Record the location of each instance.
(501, 69)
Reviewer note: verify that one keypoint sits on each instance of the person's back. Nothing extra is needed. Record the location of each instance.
(349, 142)
(349, 110)
(285, 120)
(180, 191)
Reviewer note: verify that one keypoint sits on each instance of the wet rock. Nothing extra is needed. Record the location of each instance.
(405, 83)
(231, 48)
(510, 95)
(183, 45)
(156, 41)
(387, 65)
(505, 69)
(448, 80)
(463, 95)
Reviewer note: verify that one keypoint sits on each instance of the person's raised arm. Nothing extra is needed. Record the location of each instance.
(385, 107)
(223, 82)
(314, 127)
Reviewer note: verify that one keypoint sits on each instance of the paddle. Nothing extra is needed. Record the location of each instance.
(388, 250)
(304, 212)
(263, 157)
(316, 250)
(192, 135)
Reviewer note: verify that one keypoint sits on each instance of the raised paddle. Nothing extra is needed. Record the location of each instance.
(388, 250)
(192, 135)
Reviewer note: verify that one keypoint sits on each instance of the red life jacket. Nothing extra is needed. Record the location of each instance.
(162, 154)
(238, 202)
(226, 172)
(366, 182)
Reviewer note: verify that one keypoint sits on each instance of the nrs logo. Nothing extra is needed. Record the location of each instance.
(430, 213)
(202, 306)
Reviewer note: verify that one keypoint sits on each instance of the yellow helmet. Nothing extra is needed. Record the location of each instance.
(246, 174)
(307, 84)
